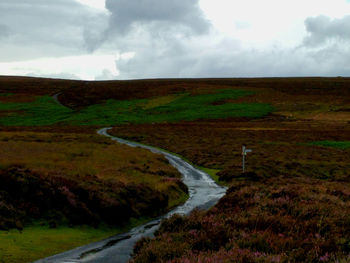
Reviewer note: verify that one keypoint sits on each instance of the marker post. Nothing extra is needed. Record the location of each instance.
(244, 153)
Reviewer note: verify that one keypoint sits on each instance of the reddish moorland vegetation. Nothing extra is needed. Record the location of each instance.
(292, 204)
(279, 147)
(275, 220)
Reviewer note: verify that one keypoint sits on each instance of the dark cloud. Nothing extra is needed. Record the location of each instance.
(322, 29)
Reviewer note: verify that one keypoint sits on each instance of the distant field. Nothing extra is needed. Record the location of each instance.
(45, 111)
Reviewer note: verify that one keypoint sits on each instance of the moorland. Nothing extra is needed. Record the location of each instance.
(291, 205)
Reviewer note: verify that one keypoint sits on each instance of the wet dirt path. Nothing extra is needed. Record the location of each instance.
(203, 191)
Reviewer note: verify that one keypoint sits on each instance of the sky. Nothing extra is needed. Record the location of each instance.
(136, 39)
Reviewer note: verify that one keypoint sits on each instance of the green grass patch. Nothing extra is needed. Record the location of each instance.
(334, 144)
(159, 101)
(37, 242)
(181, 199)
(44, 110)
(212, 173)
(193, 107)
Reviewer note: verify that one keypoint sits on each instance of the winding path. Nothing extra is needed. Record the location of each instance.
(204, 193)
(55, 98)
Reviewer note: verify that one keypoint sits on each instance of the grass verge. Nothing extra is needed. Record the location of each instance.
(213, 174)
(36, 241)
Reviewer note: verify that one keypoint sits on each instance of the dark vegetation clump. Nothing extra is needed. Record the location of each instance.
(26, 195)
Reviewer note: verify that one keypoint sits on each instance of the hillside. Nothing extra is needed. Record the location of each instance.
(291, 205)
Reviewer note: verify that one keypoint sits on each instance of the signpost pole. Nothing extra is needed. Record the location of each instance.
(244, 153)
(243, 163)
(243, 158)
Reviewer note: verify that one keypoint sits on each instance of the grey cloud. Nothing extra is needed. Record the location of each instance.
(318, 55)
(170, 38)
(321, 29)
(257, 63)
(332, 60)
(4, 31)
(126, 13)
(44, 28)
(95, 31)
(156, 58)
(228, 59)
(158, 32)
(160, 19)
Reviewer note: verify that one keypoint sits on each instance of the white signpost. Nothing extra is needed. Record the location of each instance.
(244, 153)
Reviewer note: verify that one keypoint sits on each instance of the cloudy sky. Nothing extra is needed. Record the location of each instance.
(128, 39)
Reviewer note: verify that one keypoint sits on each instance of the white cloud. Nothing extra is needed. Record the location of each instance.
(98, 4)
(270, 21)
(106, 75)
